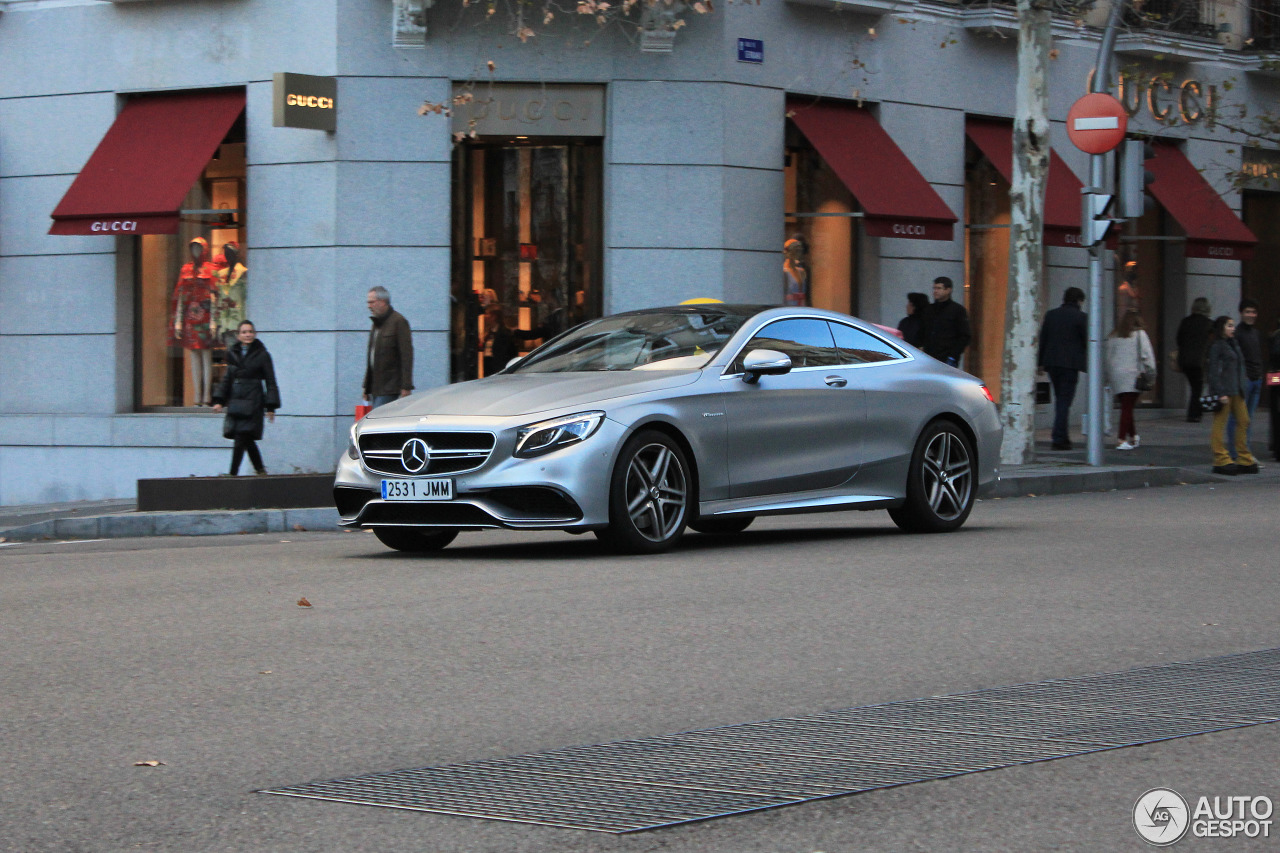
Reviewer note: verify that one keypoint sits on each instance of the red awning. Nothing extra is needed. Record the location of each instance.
(136, 179)
(1062, 202)
(896, 199)
(1213, 229)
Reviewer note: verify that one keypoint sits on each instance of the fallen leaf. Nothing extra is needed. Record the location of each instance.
(302, 602)
(299, 527)
(147, 763)
(265, 672)
(1053, 54)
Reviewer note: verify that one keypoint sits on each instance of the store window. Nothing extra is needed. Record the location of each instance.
(527, 247)
(820, 234)
(191, 289)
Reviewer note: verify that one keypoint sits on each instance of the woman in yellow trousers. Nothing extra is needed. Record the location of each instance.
(1227, 380)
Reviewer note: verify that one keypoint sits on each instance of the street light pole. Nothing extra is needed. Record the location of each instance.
(1097, 184)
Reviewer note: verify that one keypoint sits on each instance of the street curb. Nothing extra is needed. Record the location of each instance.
(194, 523)
(128, 525)
(1066, 482)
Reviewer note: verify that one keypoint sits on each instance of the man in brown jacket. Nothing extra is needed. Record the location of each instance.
(388, 373)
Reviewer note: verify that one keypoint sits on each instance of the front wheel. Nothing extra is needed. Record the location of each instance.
(940, 484)
(414, 540)
(649, 495)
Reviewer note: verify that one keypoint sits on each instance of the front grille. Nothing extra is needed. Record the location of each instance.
(451, 452)
(428, 514)
(533, 502)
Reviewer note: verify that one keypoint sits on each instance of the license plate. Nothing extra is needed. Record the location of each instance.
(440, 489)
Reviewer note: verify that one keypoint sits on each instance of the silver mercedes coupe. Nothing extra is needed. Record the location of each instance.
(640, 425)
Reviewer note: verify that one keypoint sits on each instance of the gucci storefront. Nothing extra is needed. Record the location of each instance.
(495, 184)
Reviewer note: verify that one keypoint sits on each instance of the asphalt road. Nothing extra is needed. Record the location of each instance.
(195, 653)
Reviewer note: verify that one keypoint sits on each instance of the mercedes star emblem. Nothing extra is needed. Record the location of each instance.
(415, 455)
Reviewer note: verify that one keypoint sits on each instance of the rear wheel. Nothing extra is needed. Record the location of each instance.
(722, 526)
(649, 495)
(940, 484)
(413, 539)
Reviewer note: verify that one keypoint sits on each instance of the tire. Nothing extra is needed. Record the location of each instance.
(940, 482)
(722, 526)
(414, 540)
(649, 495)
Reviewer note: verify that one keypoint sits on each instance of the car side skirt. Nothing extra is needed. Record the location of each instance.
(766, 505)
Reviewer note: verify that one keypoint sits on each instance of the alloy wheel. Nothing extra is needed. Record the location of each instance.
(657, 492)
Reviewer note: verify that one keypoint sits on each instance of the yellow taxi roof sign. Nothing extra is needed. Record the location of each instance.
(701, 300)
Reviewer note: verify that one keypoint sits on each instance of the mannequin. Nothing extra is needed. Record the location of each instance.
(233, 282)
(795, 276)
(192, 312)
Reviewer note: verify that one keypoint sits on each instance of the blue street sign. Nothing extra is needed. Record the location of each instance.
(751, 50)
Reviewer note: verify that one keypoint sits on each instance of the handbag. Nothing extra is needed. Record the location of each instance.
(1210, 403)
(361, 411)
(1143, 382)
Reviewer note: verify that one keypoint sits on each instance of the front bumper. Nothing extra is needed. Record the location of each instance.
(567, 489)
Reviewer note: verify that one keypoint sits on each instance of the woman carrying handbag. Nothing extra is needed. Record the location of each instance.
(247, 391)
(1131, 370)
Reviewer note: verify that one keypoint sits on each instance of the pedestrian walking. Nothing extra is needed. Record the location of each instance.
(1250, 341)
(1131, 369)
(1193, 341)
(1064, 337)
(946, 325)
(912, 325)
(388, 373)
(247, 391)
(1225, 375)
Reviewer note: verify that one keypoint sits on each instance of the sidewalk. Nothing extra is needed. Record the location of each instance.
(1172, 452)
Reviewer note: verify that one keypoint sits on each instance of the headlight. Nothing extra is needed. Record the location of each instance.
(546, 436)
(353, 450)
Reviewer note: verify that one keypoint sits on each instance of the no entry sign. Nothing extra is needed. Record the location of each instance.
(1096, 123)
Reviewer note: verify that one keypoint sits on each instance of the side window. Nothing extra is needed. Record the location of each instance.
(807, 342)
(857, 347)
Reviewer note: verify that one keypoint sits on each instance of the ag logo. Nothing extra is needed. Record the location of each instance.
(1161, 816)
(414, 455)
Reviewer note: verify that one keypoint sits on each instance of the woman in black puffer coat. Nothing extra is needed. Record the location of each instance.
(247, 391)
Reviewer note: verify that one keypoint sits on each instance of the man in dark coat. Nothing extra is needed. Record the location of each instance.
(946, 325)
(1063, 341)
(1193, 343)
(388, 373)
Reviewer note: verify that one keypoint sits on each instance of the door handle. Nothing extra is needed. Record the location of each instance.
(836, 381)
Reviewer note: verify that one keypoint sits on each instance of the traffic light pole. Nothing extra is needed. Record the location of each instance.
(1093, 441)
(1097, 185)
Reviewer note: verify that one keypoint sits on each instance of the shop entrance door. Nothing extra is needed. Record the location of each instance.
(527, 248)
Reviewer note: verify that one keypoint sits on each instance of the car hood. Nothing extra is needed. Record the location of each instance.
(509, 395)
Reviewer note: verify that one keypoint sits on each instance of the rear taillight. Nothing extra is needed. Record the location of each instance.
(986, 392)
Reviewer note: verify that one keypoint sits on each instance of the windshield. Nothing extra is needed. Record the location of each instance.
(681, 338)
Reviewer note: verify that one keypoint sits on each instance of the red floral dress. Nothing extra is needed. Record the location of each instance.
(192, 306)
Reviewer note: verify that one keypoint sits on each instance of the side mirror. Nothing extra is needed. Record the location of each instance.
(764, 362)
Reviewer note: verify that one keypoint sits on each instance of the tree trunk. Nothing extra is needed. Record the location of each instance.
(1026, 240)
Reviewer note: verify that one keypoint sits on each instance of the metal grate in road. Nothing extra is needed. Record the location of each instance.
(660, 781)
